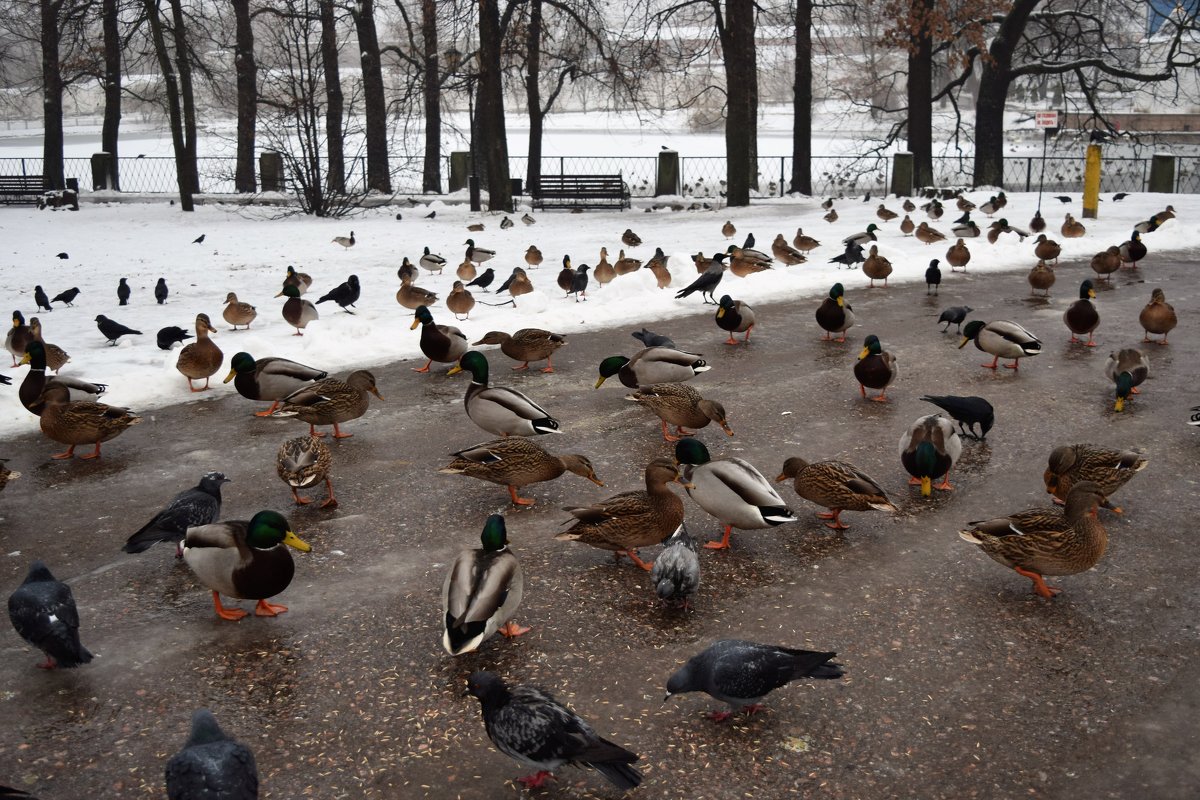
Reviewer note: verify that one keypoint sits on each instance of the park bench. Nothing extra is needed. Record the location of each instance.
(21, 189)
(580, 191)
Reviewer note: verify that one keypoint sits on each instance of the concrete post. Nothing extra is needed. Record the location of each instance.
(103, 178)
(270, 167)
(1162, 173)
(903, 170)
(460, 168)
(667, 181)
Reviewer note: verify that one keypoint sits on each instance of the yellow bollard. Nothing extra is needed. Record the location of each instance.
(1091, 182)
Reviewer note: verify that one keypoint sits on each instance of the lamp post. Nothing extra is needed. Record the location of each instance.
(454, 65)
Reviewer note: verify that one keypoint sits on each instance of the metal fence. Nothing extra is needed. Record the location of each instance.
(700, 177)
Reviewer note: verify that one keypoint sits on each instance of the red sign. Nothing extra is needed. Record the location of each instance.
(1046, 119)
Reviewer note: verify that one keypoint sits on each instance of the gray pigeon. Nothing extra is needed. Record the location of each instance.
(741, 673)
(530, 726)
(200, 505)
(651, 339)
(676, 573)
(955, 315)
(43, 611)
(211, 766)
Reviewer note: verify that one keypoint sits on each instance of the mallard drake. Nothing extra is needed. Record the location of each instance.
(246, 560)
(928, 235)
(681, 406)
(345, 241)
(435, 263)
(478, 254)
(831, 216)
(885, 213)
(735, 316)
(604, 272)
(482, 591)
(301, 280)
(517, 284)
(731, 490)
(525, 345)
(441, 343)
(1041, 278)
(1046, 249)
(7, 474)
(304, 462)
(566, 275)
(80, 422)
(875, 369)
(515, 461)
(625, 265)
(1158, 317)
(862, 239)
(1161, 217)
(836, 485)
(296, 311)
(1081, 316)
(460, 301)
(533, 256)
(803, 242)
(413, 297)
(466, 271)
(728, 230)
(500, 410)
(201, 358)
(1046, 541)
(629, 520)
(1128, 369)
(934, 209)
(1037, 223)
(270, 378)
(876, 267)
(331, 402)
(958, 256)
(18, 337)
(929, 448)
(238, 313)
(631, 239)
(1106, 262)
(658, 266)
(1110, 469)
(652, 365)
(407, 273)
(835, 315)
(1002, 339)
(43, 612)
(991, 206)
(56, 357)
(786, 254)
(1073, 228)
(907, 226)
(965, 229)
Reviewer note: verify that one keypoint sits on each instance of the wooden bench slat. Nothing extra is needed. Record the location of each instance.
(21, 188)
(580, 191)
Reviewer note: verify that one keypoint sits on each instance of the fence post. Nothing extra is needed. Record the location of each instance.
(270, 165)
(460, 168)
(102, 172)
(667, 179)
(782, 183)
(1028, 174)
(902, 174)
(1162, 173)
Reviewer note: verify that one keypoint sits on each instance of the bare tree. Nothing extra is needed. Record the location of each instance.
(246, 69)
(802, 98)
(379, 173)
(334, 100)
(183, 172)
(490, 112)
(111, 129)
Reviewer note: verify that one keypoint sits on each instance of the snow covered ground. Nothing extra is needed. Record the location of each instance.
(246, 252)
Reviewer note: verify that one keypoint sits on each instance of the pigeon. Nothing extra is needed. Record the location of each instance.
(530, 726)
(579, 282)
(67, 297)
(161, 291)
(485, 280)
(505, 224)
(168, 336)
(676, 572)
(200, 505)
(199, 239)
(113, 330)
(211, 765)
(63, 256)
(345, 294)
(852, 256)
(954, 314)
(1062, 198)
(707, 281)
(43, 611)
(1119, 196)
(967, 412)
(123, 292)
(933, 277)
(39, 297)
(431, 214)
(528, 220)
(741, 673)
(651, 339)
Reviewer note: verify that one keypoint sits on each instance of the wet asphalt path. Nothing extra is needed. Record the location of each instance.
(960, 682)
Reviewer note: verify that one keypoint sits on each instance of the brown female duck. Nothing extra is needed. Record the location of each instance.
(460, 301)
(682, 406)
(836, 485)
(56, 357)
(1106, 262)
(1158, 317)
(201, 359)
(331, 402)
(525, 345)
(877, 267)
(304, 462)
(516, 461)
(1109, 469)
(238, 313)
(81, 422)
(1041, 278)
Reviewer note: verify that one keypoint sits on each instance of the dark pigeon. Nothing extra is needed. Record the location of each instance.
(1062, 198)
(676, 572)
(529, 725)
(431, 215)
(39, 297)
(344, 295)
(579, 282)
(852, 256)
(955, 315)
(651, 339)
(160, 291)
(967, 412)
(707, 281)
(67, 297)
(168, 336)
(199, 239)
(200, 505)
(113, 330)
(211, 766)
(485, 280)
(63, 256)
(741, 673)
(933, 277)
(43, 611)
(123, 292)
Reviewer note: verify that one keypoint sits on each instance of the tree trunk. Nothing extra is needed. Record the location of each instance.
(802, 102)
(110, 132)
(533, 95)
(920, 92)
(247, 97)
(187, 96)
(335, 104)
(52, 94)
(490, 112)
(737, 52)
(431, 178)
(993, 91)
(174, 113)
(378, 171)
